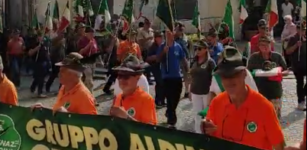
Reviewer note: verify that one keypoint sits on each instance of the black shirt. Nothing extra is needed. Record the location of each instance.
(298, 57)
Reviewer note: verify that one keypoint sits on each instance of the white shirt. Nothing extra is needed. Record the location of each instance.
(249, 80)
(143, 34)
(287, 9)
(142, 83)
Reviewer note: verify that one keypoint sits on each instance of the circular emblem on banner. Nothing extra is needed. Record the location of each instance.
(251, 127)
(131, 112)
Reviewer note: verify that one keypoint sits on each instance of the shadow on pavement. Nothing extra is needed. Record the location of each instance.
(292, 117)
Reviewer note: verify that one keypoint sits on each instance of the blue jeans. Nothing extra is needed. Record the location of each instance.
(15, 68)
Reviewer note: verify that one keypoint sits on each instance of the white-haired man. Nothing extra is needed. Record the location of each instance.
(73, 96)
(8, 92)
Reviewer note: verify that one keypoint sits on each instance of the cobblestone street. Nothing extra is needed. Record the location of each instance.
(292, 120)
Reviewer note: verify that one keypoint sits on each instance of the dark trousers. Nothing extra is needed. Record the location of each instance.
(112, 77)
(287, 58)
(53, 75)
(15, 68)
(300, 84)
(172, 89)
(40, 70)
(147, 70)
(160, 97)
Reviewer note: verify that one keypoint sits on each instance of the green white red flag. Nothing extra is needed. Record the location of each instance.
(272, 11)
(65, 19)
(243, 11)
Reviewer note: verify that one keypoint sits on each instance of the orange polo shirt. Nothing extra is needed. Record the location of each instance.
(8, 93)
(140, 105)
(78, 100)
(126, 47)
(304, 138)
(254, 123)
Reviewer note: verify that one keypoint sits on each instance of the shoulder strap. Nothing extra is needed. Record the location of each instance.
(219, 82)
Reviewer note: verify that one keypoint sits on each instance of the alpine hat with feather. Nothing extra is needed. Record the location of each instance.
(132, 65)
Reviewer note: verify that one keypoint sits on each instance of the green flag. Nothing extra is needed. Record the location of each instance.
(302, 5)
(228, 19)
(56, 14)
(79, 9)
(128, 11)
(89, 8)
(165, 14)
(196, 18)
(34, 22)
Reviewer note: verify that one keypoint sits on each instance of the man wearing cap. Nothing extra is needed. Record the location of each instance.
(40, 55)
(133, 103)
(263, 31)
(297, 51)
(88, 46)
(73, 96)
(145, 38)
(155, 68)
(217, 87)
(215, 46)
(8, 92)
(241, 114)
(129, 46)
(171, 56)
(15, 48)
(274, 65)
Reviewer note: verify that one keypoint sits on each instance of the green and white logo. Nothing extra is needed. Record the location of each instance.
(252, 127)
(66, 105)
(131, 112)
(9, 137)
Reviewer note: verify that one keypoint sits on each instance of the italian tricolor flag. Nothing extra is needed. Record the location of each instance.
(272, 11)
(65, 19)
(274, 74)
(243, 11)
(49, 23)
(103, 11)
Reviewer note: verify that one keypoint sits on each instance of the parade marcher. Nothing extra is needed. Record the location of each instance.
(297, 51)
(263, 31)
(88, 46)
(8, 92)
(155, 68)
(179, 38)
(129, 46)
(287, 8)
(216, 86)
(299, 146)
(133, 103)
(145, 38)
(30, 42)
(266, 60)
(171, 56)
(288, 32)
(57, 54)
(201, 76)
(15, 52)
(41, 64)
(73, 96)
(215, 46)
(241, 114)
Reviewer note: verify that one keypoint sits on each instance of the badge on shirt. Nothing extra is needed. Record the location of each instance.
(67, 105)
(131, 112)
(251, 127)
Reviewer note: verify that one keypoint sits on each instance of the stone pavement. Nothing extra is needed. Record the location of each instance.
(292, 120)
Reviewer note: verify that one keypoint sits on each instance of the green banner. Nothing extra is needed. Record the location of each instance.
(23, 129)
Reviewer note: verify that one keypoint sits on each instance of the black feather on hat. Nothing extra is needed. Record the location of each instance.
(132, 64)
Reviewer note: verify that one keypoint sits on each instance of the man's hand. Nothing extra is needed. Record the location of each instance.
(119, 112)
(285, 73)
(299, 43)
(36, 106)
(165, 49)
(208, 127)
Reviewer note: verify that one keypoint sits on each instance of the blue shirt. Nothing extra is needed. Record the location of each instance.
(174, 56)
(216, 50)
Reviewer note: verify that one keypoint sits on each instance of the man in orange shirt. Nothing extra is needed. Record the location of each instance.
(133, 103)
(241, 114)
(129, 46)
(302, 145)
(73, 96)
(8, 92)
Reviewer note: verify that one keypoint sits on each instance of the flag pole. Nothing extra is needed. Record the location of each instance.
(44, 33)
(301, 21)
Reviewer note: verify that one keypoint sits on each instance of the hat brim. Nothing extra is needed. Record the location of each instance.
(140, 69)
(228, 72)
(72, 67)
